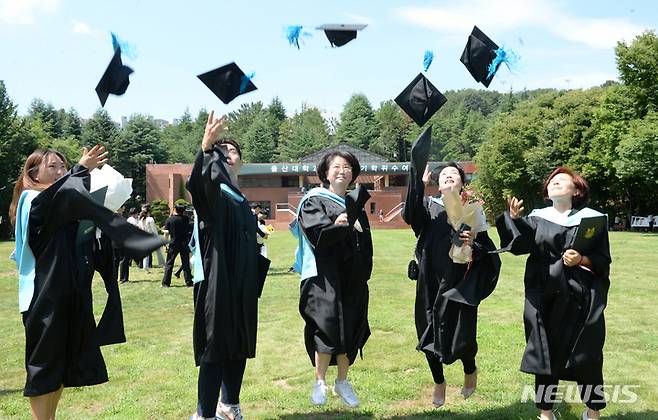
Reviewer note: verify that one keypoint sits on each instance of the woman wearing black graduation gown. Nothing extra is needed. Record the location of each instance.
(335, 269)
(226, 307)
(565, 291)
(447, 293)
(56, 265)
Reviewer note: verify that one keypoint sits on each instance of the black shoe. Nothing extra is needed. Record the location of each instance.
(190, 284)
(123, 281)
(177, 275)
(165, 285)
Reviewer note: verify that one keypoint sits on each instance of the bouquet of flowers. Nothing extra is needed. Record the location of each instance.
(464, 213)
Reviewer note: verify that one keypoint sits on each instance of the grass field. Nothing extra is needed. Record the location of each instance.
(153, 374)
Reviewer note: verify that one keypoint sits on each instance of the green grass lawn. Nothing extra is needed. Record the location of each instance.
(153, 374)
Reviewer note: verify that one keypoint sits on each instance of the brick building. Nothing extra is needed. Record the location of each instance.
(278, 187)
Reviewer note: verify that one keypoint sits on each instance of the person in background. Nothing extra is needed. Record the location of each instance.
(178, 228)
(124, 265)
(147, 223)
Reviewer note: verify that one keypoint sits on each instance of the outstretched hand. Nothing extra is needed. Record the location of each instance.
(214, 128)
(515, 207)
(94, 157)
(427, 175)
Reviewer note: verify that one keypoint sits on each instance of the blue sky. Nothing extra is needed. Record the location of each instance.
(58, 49)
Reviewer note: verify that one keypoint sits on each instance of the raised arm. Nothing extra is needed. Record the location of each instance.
(517, 233)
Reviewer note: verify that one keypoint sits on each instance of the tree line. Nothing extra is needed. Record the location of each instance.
(608, 133)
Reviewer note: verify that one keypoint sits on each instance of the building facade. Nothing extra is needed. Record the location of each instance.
(279, 187)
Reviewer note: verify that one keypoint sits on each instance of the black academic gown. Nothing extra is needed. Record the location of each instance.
(334, 304)
(563, 313)
(62, 341)
(226, 302)
(447, 293)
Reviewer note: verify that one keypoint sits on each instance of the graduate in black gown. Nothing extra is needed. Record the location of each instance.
(226, 307)
(565, 291)
(334, 259)
(56, 265)
(447, 293)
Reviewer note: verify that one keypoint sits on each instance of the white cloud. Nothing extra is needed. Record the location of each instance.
(80, 27)
(25, 11)
(510, 15)
(596, 33)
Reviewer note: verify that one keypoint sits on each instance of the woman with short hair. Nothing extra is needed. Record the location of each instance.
(565, 289)
(334, 259)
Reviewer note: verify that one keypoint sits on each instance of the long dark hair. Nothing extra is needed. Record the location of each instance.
(27, 179)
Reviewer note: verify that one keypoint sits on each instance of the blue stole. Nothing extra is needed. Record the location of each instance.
(304, 256)
(23, 255)
(195, 245)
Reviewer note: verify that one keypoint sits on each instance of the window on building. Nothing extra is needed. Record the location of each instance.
(373, 208)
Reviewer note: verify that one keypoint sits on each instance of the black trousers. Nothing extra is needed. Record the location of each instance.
(124, 269)
(437, 367)
(226, 375)
(591, 391)
(184, 251)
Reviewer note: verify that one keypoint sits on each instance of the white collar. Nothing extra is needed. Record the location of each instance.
(565, 219)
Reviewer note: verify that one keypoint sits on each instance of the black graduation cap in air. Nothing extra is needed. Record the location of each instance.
(340, 34)
(115, 79)
(420, 151)
(227, 82)
(478, 54)
(420, 99)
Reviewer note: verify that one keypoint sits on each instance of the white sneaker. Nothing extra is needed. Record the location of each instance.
(319, 393)
(196, 416)
(229, 411)
(344, 390)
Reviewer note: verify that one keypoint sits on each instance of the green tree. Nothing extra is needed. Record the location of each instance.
(16, 144)
(183, 139)
(46, 113)
(71, 124)
(258, 144)
(276, 115)
(393, 141)
(240, 121)
(140, 143)
(303, 133)
(637, 166)
(100, 129)
(358, 125)
(638, 69)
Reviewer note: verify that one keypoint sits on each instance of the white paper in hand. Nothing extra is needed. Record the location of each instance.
(118, 187)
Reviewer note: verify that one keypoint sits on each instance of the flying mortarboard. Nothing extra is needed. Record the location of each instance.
(420, 99)
(227, 82)
(340, 34)
(115, 79)
(478, 55)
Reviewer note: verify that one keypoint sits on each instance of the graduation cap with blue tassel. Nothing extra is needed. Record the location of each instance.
(482, 57)
(115, 79)
(228, 82)
(337, 34)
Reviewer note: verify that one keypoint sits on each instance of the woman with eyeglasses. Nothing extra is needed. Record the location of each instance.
(334, 258)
